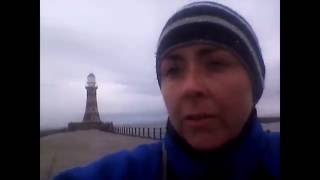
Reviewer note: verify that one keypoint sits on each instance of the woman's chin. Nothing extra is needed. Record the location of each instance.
(206, 142)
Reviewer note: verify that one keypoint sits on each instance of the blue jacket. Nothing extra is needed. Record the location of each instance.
(254, 155)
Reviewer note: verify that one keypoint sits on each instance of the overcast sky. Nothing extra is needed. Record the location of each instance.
(116, 40)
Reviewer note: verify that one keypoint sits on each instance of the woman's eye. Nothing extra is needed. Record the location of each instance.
(173, 71)
(216, 64)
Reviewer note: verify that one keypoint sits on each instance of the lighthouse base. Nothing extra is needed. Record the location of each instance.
(74, 126)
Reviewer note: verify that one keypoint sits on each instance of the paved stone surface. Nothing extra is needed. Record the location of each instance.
(66, 150)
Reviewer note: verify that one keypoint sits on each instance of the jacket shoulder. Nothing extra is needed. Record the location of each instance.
(119, 165)
(272, 155)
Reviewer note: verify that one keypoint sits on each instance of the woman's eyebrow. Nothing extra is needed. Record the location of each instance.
(173, 57)
(206, 51)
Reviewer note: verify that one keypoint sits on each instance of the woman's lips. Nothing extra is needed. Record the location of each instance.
(198, 119)
(198, 116)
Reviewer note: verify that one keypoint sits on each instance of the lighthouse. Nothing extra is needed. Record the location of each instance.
(91, 118)
(91, 113)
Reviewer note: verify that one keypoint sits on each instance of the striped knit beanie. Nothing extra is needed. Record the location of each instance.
(210, 22)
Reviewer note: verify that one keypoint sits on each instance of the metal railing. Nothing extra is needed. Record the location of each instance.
(144, 132)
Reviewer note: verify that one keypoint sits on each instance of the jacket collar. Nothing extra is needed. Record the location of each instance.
(237, 158)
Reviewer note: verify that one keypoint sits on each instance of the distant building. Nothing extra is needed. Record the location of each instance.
(91, 114)
(91, 118)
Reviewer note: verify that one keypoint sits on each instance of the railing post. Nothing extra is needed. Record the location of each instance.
(135, 131)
